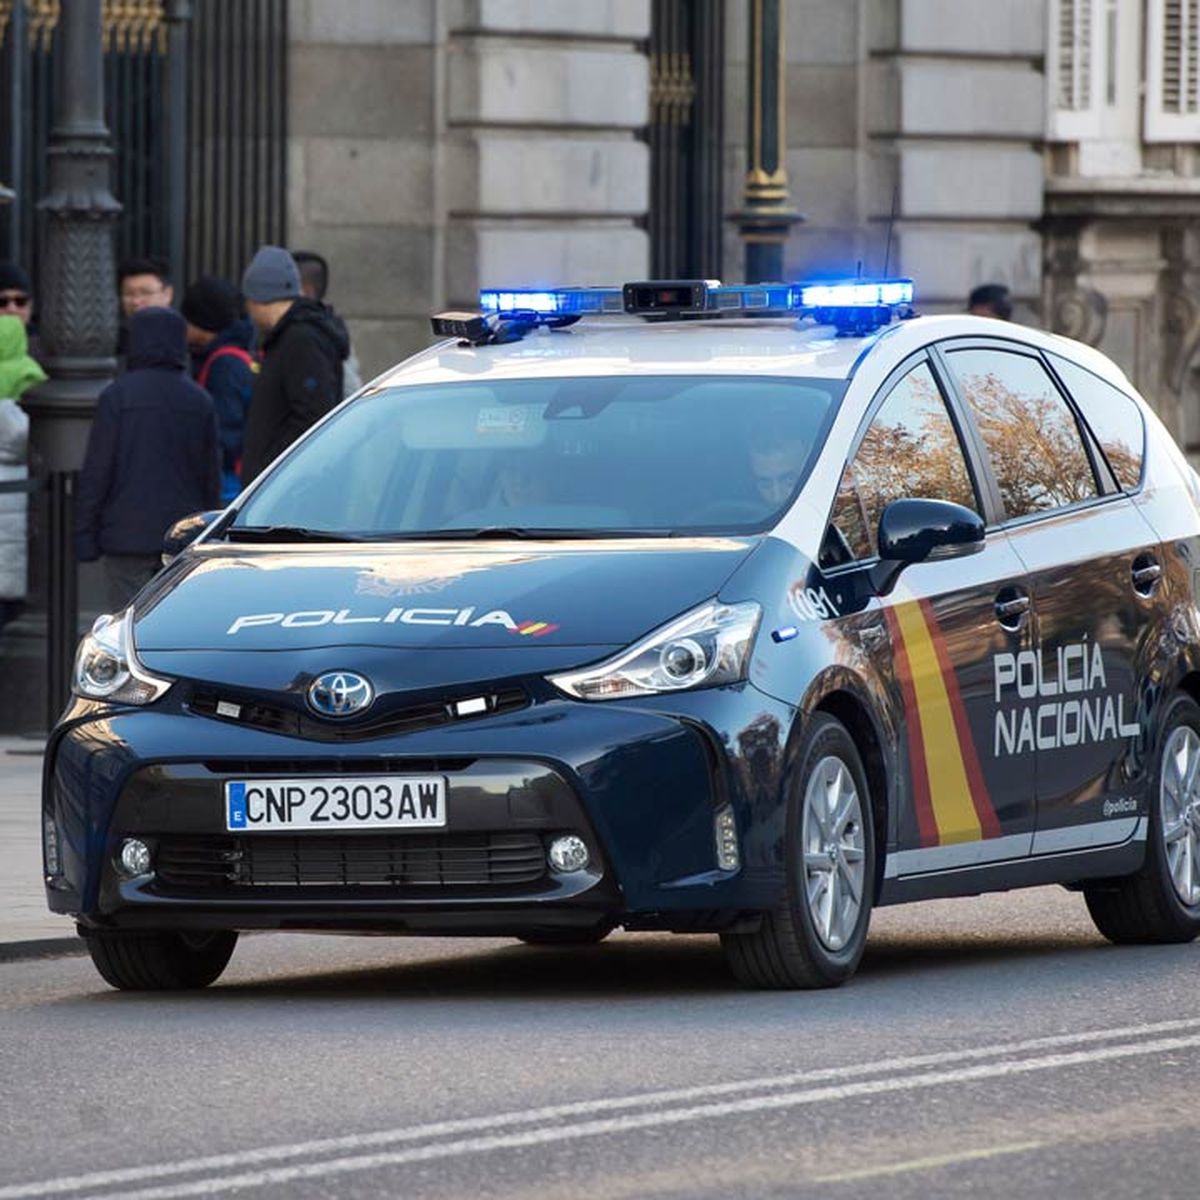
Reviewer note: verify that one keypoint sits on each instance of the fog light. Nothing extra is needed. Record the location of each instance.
(51, 852)
(568, 854)
(725, 829)
(135, 857)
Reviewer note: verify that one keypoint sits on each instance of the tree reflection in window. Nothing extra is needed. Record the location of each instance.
(910, 450)
(1113, 418)
(1035, 446)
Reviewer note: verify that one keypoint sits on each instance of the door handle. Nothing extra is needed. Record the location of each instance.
(1011, 607)
(1146, 574)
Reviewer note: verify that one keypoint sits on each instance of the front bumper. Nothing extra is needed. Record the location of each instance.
(640, 786)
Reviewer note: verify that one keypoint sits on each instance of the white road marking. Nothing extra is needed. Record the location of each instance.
(584, 1108)
(929, 1164)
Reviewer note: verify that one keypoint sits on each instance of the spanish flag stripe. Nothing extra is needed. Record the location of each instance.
(988, 822)
(950, 791)
(926, 826)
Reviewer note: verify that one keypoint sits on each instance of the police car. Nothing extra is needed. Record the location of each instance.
(671, 606)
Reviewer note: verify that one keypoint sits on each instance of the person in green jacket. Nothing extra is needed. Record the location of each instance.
(18, 373)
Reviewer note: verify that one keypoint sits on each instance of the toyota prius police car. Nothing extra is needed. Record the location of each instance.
(673, 607)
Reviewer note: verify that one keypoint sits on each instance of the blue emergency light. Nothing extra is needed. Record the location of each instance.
(853, 306)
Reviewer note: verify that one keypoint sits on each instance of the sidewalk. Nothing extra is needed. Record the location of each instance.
(27, 927)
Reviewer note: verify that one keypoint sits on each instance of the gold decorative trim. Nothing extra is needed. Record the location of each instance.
(6, 7)
(672, 89)
(43, 20)
(134, 26)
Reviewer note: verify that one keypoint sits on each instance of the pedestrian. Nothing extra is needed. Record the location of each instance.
(222, 344)
(144, 283)
(990, 300)
(16, 299)
(141, 283)
(314, 283)
(18, 373)
(303, 348)
(153, 456)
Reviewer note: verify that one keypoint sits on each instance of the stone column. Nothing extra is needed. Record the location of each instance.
(77, 288)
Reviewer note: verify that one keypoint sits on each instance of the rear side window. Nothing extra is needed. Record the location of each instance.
(1031, 435)
(910, 449)
(1113, 418)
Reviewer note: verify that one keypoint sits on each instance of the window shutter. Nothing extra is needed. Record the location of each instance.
(1172, 71)
(1073, 62)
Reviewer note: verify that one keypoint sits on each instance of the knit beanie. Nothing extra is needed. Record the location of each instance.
(12, 278)
(211, 303)
(271, 275)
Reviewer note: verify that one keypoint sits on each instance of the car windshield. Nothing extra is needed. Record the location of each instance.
(579, 456)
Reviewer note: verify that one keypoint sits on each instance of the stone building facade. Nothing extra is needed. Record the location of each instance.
(1052, 145)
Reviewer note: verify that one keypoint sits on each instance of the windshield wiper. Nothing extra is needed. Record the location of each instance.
(515, 533)
(286, 533)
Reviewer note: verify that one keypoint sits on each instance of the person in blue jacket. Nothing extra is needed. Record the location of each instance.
(152, 456)
(222, 344)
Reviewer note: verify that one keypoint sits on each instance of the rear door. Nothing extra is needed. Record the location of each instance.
(1093, 564)
(941, 629)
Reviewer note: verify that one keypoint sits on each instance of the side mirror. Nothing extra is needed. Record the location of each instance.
(184, 532)
(914, 530)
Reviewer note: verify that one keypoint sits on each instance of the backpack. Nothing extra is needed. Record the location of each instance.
(226, 352)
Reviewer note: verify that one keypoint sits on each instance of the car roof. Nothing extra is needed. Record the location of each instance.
(769, 347)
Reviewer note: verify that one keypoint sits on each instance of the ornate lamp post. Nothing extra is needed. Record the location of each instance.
(78, 305)
(77, 288)
(766, 217)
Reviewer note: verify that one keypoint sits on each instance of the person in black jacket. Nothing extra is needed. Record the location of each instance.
(153, 456)
(303, 346)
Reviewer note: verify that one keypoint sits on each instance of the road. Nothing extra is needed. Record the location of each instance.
(988, 1047)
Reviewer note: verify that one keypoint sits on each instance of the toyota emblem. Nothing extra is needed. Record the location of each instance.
(340, 694)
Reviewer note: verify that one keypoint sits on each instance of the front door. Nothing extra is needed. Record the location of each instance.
(949, 622)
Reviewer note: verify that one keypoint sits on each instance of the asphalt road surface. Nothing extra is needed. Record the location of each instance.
(988, 1047)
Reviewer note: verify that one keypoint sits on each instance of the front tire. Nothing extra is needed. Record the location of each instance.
(1161, 903)
(816, 935)
(160, 961)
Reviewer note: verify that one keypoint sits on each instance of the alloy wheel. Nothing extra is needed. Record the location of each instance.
(1179, 812)
(833, 847)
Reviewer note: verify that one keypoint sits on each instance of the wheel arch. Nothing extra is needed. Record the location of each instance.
(843, 700)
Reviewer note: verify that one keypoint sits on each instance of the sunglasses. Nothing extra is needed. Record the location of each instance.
(14, 300)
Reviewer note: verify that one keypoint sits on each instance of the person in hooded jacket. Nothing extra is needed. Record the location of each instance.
(303, 346)
(222, 345)
(18, 373)
(153, 456)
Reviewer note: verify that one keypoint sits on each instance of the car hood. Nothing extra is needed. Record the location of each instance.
(444, 596)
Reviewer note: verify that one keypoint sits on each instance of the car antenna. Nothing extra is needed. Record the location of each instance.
(887, 252)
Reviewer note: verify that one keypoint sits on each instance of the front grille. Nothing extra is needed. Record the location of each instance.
(407, 718)
(197, 863)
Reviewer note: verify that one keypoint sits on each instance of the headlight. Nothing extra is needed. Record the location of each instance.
(704, 648)
(106, 666)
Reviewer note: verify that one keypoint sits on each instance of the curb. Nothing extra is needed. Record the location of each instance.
(61, 947)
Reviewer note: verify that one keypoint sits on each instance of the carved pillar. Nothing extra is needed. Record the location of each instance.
(77, 287)
(1180, 332)
(1072, 309)
(766, 217)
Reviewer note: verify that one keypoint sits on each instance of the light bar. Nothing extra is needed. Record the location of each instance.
(856, 293)
(560, 302)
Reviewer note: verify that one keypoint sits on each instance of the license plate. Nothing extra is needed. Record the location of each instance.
(358, 802)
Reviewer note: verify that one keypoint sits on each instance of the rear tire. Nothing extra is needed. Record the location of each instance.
(160, 961)
(1161, 903)
(816, 935)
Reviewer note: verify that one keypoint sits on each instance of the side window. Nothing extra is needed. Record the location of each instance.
(1030, 432)
(910, 449)
(1113, 418)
